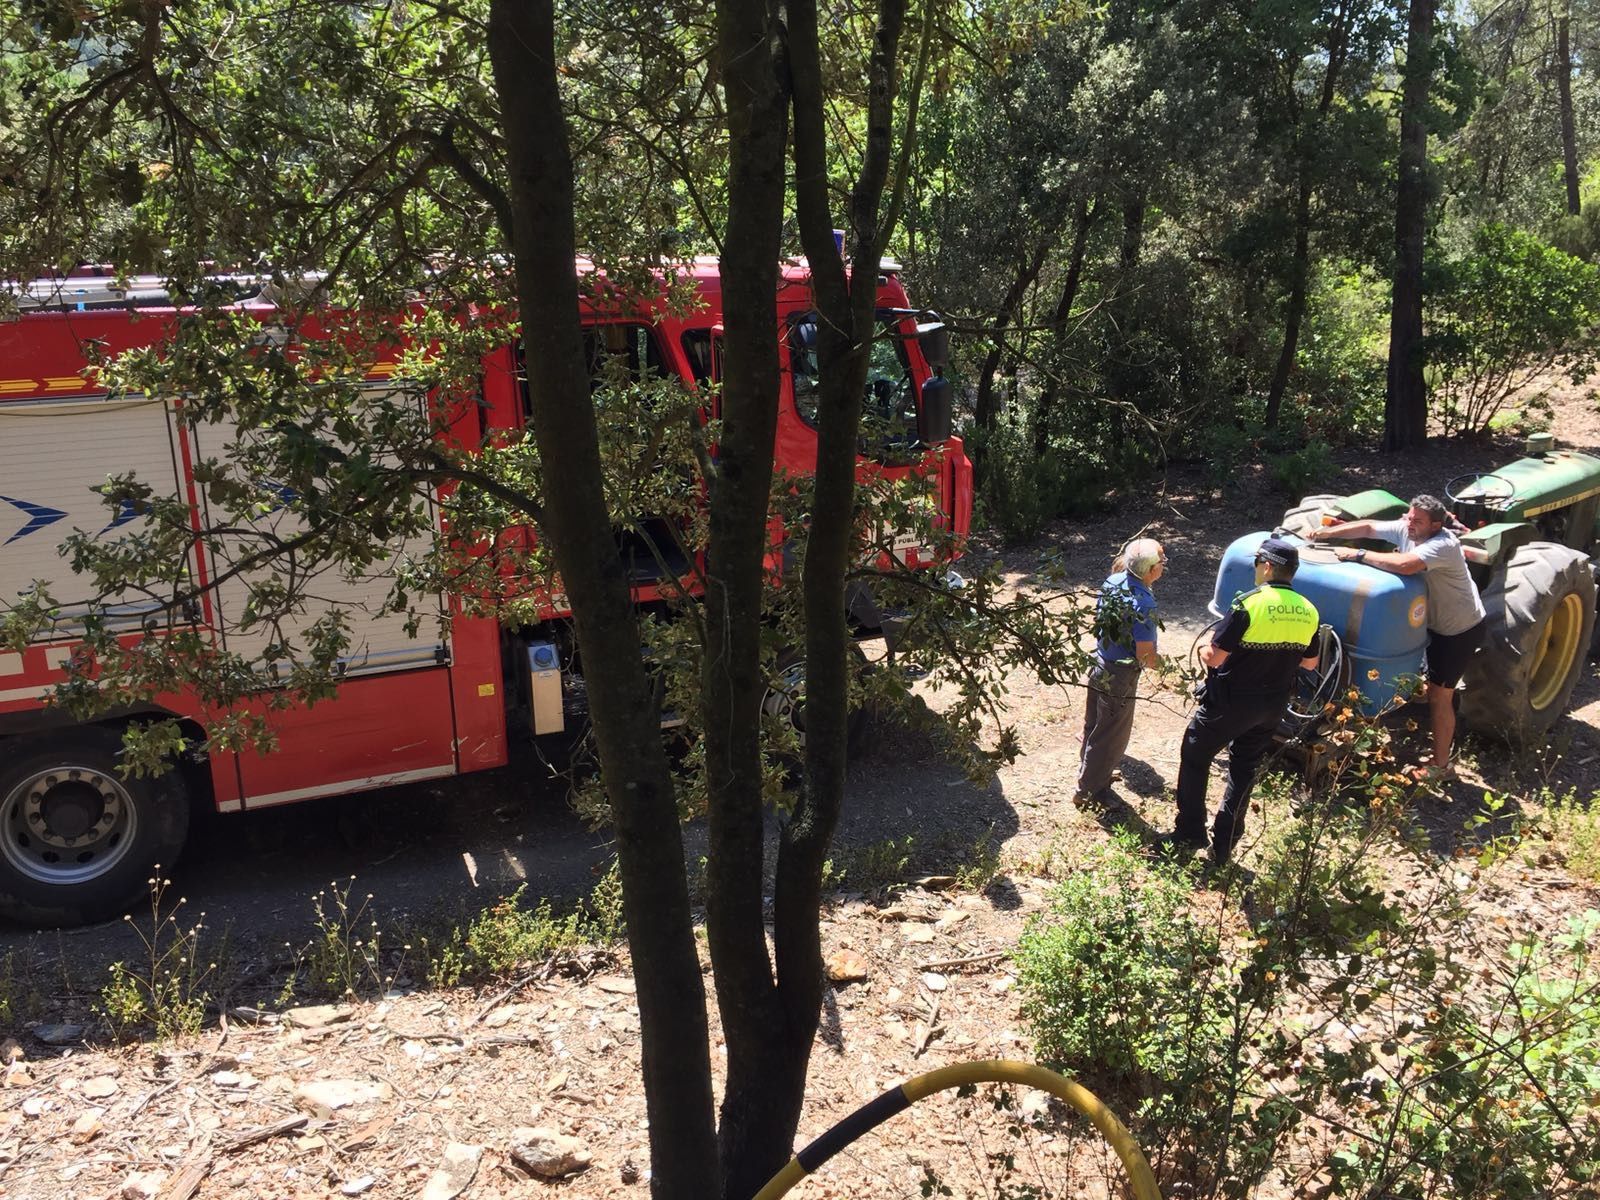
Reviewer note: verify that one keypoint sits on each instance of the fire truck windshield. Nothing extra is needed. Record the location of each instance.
(889, 406)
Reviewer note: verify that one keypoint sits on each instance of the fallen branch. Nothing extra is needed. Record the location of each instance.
(503, 996)
(149, 1096)
(930, 1029)
(188, 1179)
(264, 1133)
(415, 1036)
(946, 963)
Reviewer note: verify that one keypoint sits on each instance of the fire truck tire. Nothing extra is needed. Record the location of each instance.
(785, 701)
(1307, 515)
(1541, 615)
(79, 840)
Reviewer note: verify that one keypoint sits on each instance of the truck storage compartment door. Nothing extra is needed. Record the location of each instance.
(57, 452)
(391, 720)
(379, 641)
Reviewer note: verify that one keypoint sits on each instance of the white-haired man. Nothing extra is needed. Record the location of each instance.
(1125, 629)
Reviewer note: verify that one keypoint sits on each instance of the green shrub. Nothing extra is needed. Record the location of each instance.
(1576, 827)
(167, 989)
(872, 868)
(1014, 496)
(1342, 354)
(605, 924)
(508, 937)
(1502, 317)
(1495, 1100)
(1315, 893)
(979, 863)
(1117, 977)
(1579, 236)
(1224, 448)
(1298, 472)
(345, 958)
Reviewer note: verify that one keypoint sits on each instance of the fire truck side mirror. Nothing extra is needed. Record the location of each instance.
(934, 337)
(934, 418)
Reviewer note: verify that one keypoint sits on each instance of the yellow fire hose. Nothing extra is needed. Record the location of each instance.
(896, 1100)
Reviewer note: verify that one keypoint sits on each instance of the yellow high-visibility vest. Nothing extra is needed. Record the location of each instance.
(1280, 618)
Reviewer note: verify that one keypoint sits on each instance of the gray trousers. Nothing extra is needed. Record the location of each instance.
(1107, 723)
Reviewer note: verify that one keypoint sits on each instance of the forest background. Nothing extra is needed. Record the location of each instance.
(1164, 231)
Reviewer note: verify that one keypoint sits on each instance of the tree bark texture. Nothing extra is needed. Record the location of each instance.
(676, 1050)
(770, 1036)
(758, 109)
(1569, 136)
(1044, 407)
(1406, 404)
(1294, 313)
(985, 409)
(1338, 44)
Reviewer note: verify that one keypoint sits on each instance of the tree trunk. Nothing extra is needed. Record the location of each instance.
(770, 1032)
(1123, 381)
(1406, 405)
(984, 407)
(1027, 272)
(1569, 137)
(758, 109)
(1132, 234)
(1300, 271)
(1042, 409)
(676, 1050)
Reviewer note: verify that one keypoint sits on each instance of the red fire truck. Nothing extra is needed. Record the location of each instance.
(77, 839)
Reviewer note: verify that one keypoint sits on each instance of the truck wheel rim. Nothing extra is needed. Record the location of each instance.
(1558, 646)
(786, 701)
(67, 825)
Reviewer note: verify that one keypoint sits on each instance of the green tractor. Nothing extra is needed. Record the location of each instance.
(1532, 529)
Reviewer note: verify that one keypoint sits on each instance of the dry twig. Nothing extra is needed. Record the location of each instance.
(265, 1133)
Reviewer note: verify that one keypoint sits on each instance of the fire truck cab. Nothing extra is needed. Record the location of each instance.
(77, 838)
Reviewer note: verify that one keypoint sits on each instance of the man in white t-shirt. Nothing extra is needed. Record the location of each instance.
(1455, 610)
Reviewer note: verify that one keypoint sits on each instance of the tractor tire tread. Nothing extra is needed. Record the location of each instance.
(1518, 604)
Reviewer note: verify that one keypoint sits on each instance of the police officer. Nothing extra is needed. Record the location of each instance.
(1251, 661)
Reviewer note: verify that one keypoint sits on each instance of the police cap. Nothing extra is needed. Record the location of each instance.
(1279, 553)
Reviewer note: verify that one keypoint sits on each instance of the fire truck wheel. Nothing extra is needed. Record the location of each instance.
(785, 701)
(79, 840)
(1541, 617)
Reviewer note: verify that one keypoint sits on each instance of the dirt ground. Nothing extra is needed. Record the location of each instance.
(429, 1093)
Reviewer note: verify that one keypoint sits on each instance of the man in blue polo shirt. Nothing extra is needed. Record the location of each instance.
(1125, 628)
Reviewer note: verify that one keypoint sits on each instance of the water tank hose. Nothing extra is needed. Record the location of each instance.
(897, 1099)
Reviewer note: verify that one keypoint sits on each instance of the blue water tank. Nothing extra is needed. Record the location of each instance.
(1381, 618)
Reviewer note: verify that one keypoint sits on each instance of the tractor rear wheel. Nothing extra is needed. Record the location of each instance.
(1540, 621)
(1307, 515)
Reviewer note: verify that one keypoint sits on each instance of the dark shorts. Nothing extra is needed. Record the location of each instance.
(1449, 654)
